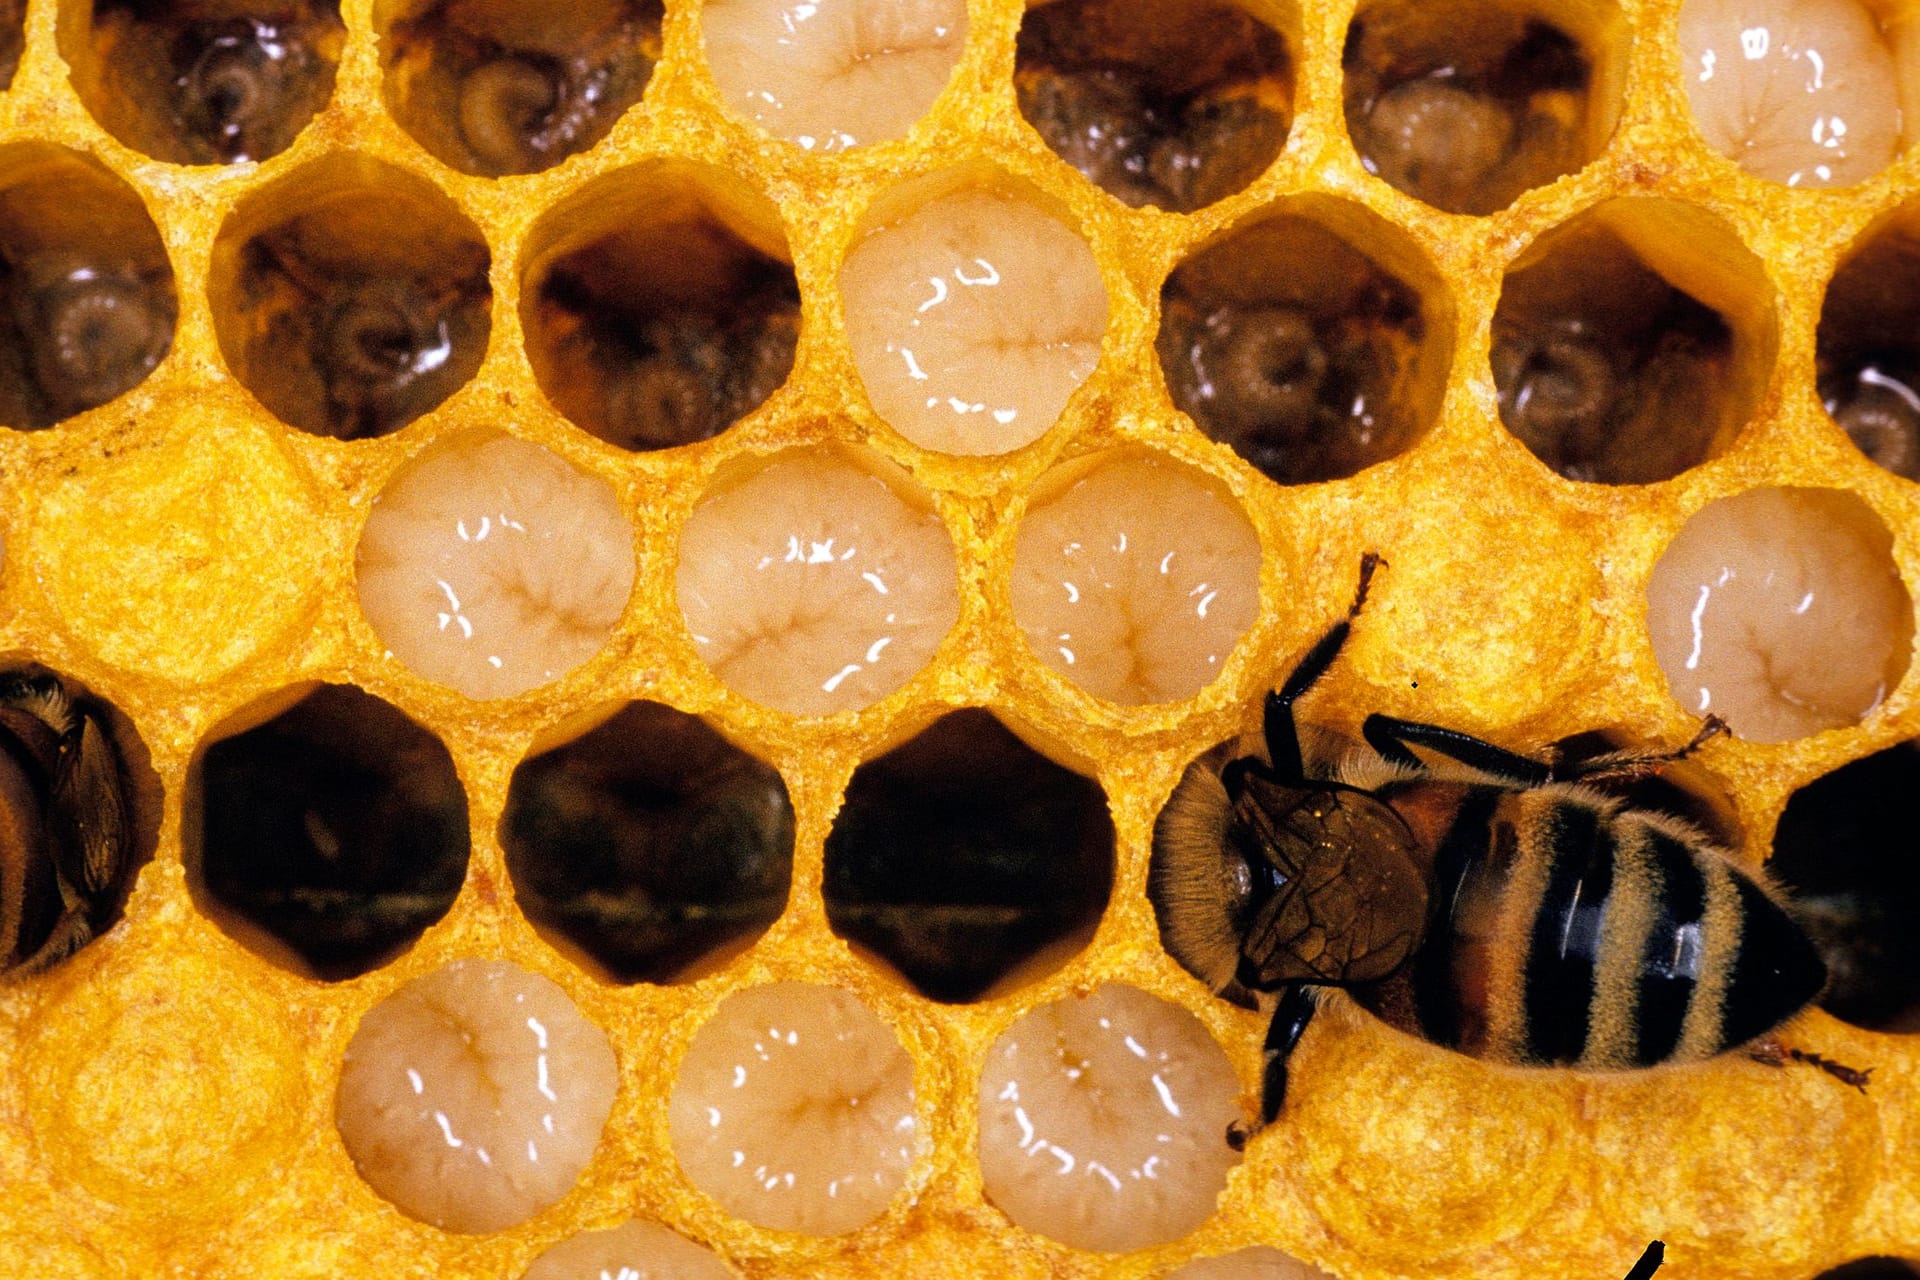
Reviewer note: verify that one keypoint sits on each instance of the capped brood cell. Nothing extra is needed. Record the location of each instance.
(1867, 358)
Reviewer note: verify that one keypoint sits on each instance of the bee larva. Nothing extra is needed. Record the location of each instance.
(65, 841)
(1509, 909)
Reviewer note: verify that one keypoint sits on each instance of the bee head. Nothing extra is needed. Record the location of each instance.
(1198, 881)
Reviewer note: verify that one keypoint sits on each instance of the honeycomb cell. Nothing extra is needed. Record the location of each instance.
(1313, 343)
(1103, 1121)
(964, 858)
(13, 39)
(817, 581)
(204, 82)
(794, 1109)
(1258, 1263)
(836, 75)
(493, 566)
(973, 317)
(1170, 103)
(87, 304)
(1134, 576)
(648, 844)
(1468, 105)
(1842, 850)
(330, 835)
(473, 1097)
(351, 297)
(1804, 92)
(496, 87)
(1781, 611)
(631, 1251)
(660, 306)
(1632, 342)
(1867, 357)
(1879, 1268)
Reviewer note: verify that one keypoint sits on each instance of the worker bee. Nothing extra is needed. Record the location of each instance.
(65, 834)
(1509, 909)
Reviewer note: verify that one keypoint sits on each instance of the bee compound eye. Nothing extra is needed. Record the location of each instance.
(634, 1251)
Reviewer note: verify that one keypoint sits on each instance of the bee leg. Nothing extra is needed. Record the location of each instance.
(1289, 1023)
(1772, 1053)
(1283, 739)
(1649, 1262)
(1628, 767)
(1395, 739)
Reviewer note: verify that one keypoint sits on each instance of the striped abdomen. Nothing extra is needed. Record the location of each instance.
(1569, 930)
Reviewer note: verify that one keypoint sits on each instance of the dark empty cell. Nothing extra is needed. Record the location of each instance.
(1173, 103)
(87, 304)
(1844, 851)
(496, 87)
(1872, 1269)
(1465, 106)
(963, 855)
(13, 39)
(1605, 371)
(210, 81)
(648, 844)
(664, 334)
(1290, 345)
(1868, 350)
(337, 830)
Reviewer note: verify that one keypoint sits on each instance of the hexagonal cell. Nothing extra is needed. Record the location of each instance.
(1170, 103)
(87, 303)
(1314, 342)
(327, 833)
(13, 39)
(1633, 342)
(660, 305)
(497, 87)
(1804, 92)
(1469, 104)
(1782, 611)
(79, 817)
(967, 860)
(648, 846)
(832, 76)
(1843, 850)
(1878, 1268)
(1868, 346)
(351, 297)
(207, 81)
(1257, 1263)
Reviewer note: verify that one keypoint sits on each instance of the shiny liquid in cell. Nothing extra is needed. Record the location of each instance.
(1867, 352)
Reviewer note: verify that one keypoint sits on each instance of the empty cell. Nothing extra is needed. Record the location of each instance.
(493, 566)
(964, 858)
(1843, 852)
(206, 81)
(833, 75)
(351, 297)
(661, 306)
(1134, 576)
(330, 836)
(87, 304)
(473, 1097)
(973, 317)
(1103, 1121)
(13, 39)
(1287, 341)
(648, 844)
(817, 581)
(1803, 92)
(631, 1251)
(497, 87)
(1875, 1268)
(1781, 611)
(1611, 370)
(1867, 356)
(1171, 103)
(1468, 105)
(793, 1109)
(1258, 1263)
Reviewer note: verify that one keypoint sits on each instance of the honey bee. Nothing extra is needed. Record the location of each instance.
(65, 836)
(1509, 909)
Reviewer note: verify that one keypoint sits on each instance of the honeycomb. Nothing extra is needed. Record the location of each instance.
(182, 542)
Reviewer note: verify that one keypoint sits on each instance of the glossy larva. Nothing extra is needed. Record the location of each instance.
(1781, 611)
(818, 583)
(1103, 1121)
(473, 1097)
(631, 1251)
(1257, 1263)
(492, 565)
(794, 1109)
(92, 328)
(1136, 578)
(972, 320)
(1800, 91)
(828, 76)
